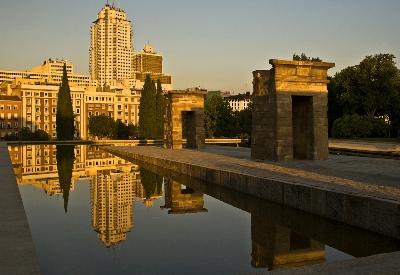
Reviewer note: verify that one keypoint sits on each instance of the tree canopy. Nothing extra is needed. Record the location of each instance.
(65, 116)
(219, 118)
(371, 89)
(304, 57)
(102, 126)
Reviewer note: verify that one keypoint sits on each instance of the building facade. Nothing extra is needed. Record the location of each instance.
(111, 47)
(149, 62)
(10, 115)
(239, 102)
(34, 105)
(50, 71)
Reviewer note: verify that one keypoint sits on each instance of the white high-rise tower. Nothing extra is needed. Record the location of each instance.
(111, 48)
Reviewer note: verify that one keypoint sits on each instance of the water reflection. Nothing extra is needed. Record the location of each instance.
(280, 237)
(65, 162)
(181, 199)
(275, 246)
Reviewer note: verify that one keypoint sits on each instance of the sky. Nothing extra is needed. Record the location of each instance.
(214, 44)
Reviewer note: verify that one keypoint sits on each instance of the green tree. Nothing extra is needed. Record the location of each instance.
(65, 115)
(65, 161)
(219, 119)
(304, 57)
(147, 110)
(371, 88)
(102, 126)
(160, 110)
(243, 120)
(123, 131)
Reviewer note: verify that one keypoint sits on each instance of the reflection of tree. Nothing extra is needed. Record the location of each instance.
(65, 162)
(152, 183)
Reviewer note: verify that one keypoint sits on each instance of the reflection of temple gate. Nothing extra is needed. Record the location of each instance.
(290, 111)
(191, 104)
(275, 246)
(182, 200)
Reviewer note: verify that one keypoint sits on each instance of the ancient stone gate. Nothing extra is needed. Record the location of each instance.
(190, 105)
(290, 111)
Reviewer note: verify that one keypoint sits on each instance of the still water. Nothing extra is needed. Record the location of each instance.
(93, 213)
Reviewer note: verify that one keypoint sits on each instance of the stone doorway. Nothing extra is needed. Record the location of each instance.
(193, 128)
(290, 104)
(302, 123)
(184, 110)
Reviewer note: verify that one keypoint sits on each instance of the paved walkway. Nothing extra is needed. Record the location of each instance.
(374, 173)
(17, 251)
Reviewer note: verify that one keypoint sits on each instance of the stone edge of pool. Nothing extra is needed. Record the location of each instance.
(17, 250)
(375, 214)
(388, 263)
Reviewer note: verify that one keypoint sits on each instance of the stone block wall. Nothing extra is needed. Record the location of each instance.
(178, 102)
(290, 111)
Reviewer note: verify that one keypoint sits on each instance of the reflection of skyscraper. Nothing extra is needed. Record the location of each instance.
(112, 193)
(182, 201)
(275, 246)
(115, 183)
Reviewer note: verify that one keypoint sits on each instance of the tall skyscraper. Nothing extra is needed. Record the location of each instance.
(111, 48)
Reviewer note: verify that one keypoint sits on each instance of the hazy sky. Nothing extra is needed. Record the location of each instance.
(215, 44)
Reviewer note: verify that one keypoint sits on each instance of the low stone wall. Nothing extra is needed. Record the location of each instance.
(371, 213)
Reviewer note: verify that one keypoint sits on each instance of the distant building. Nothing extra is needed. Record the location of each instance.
(50, 71)
(111, 46)
(149, 62)
(10, 115)
(36, 103)
(239, 102)
(39, 106)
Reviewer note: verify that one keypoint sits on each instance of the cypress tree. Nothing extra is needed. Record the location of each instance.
(160, 109)
(147, 110)
(65, 114)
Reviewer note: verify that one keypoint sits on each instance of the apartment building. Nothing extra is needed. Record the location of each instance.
(10, 115)
(239, 102)
(149, 62)
(39, 106)
(111, 47)
(50, 71)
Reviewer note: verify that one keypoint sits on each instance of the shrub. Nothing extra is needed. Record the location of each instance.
(351, 126)
(380, 128)
(356, 126)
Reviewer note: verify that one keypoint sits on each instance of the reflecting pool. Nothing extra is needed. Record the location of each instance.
(93, 213)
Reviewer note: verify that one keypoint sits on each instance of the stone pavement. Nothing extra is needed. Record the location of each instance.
(362, 192)
(17, 251)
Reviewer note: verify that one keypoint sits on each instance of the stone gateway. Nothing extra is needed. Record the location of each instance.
(188, 104)
(290, 111)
